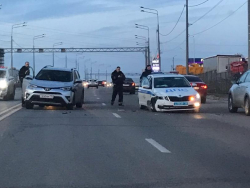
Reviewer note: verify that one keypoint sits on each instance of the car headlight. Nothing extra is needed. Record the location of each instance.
(31, 86)
(3, 84)
(66, 88)
(198, 96)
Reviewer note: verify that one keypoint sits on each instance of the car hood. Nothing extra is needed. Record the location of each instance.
(179, 91)
(50, 84)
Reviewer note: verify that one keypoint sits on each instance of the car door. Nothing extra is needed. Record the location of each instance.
(10, 80)
(239, 91)
(244, 89)
(148, 93)
(27, 80)
(143, 90)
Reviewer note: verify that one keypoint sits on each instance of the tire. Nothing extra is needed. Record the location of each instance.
(152, 106)
(79, 105)
(7, 96)
(203, 100)
(41, 105)
(132, 92)
(142, 107)
(12, 96)
(231, 108)
(29, 105)
(247, 106)
(23, 103)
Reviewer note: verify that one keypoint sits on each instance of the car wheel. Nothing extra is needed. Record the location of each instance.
(132, 92)
(79, 105)
(41, 105)
(231, 107)
(7, 96)
(12, 96)
(142, 107)
(247, 106)
(23, 103)
(152, 106)
(203, 100)
(29, 105)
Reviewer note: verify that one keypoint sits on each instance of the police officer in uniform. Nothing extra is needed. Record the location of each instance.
(117, 78)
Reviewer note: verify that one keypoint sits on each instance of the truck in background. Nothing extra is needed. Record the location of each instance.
(220, 63)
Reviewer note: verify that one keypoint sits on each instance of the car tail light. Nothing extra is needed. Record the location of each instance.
(204, 86)
(133, 84)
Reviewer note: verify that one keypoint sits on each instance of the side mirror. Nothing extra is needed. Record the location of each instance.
(145, 86)
(78, 81)
(28, 77)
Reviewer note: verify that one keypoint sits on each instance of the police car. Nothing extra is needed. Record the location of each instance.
(162, 92)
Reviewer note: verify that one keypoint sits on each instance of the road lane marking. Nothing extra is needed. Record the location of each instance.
(157, 145)
(9, 109)
(97, 98)
(10, 113)
(103, 104)
(116, 115)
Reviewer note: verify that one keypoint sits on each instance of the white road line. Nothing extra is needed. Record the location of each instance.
(157, 145)
(116, 115)
(97, 98)
(103, 104)
(9, 109)
(10, 113)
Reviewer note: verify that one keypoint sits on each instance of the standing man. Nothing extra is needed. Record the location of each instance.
(148, 71)
(117, 78)
(24, 71)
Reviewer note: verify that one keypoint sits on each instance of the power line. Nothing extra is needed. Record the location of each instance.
(198, 4)
(175, 24)
(174, 37)
(207, 12)
(221, 20)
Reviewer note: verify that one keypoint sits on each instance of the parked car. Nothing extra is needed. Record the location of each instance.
(92, 83)
(129, 86)
(199, 86)
(239, 94)
(53, 87)
(7, 84)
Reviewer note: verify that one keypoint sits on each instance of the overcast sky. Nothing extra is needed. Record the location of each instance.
(110, 23)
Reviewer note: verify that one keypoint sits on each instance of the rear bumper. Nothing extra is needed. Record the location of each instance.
(92, 85)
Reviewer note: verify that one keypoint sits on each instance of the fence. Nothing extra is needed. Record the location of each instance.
(218, 83)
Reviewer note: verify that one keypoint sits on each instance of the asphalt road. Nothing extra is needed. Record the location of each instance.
(110, 146)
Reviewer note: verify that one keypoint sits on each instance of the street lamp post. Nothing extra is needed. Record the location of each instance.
(173, 62)
(56, 44)
(145, 28)
(158, 30)
(12, 28)
(34, 38)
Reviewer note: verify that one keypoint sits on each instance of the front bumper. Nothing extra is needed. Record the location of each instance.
(164, 105)
(60, 97)
(3, 92)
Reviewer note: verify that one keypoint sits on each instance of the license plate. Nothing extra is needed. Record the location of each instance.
(181, 104)
(47, 96)
(196, 88)
(125, 84)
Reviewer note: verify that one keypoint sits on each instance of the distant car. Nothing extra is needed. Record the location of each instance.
(129, 86)
(93, 83)
(161, 92)
(7, 84)
(239, 94)
(199, 86)
(102, 83)
(85, 83)
(53, 87)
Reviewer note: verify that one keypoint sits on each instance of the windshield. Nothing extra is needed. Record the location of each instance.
(55, 75)
(193, 79)
(166, 82)
(2, 73)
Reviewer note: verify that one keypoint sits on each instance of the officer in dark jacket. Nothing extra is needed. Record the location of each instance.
(148, 71)
(24, 71)
(118, 78)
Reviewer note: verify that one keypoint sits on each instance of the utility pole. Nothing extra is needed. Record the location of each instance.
(66, 60)
(159, 44)
(187, 41)
(173, 63)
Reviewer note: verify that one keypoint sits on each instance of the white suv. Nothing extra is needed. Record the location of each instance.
(54, 87)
